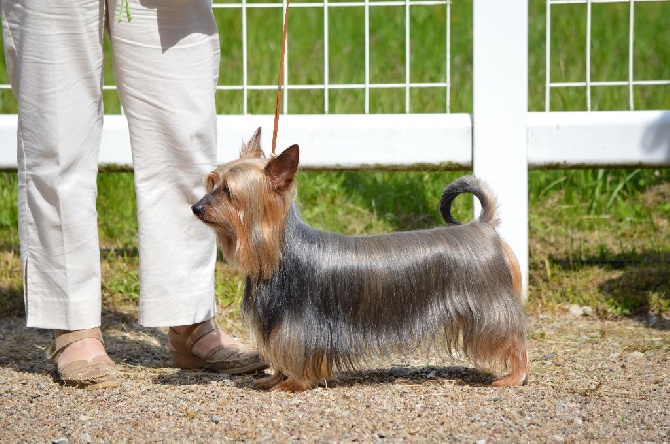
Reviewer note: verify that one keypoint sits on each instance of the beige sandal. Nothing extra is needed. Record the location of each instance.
(228, 359)
(98, 373)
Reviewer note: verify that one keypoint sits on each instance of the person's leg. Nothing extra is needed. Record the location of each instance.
(166, 63)
(54, 59)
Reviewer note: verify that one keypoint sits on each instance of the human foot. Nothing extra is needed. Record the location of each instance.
(204, 345)
(81, 359)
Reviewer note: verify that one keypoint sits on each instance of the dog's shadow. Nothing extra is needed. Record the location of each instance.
(404, 375)
(397, 374)
(408, 375)
(23, 350)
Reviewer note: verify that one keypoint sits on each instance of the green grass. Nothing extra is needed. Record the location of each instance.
(597, 237)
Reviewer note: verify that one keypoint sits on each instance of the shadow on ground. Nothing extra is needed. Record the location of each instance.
(639, 289)
(409, 375)
(406, 375)
(23, 349)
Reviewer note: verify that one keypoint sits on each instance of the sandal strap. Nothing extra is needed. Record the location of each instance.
(193, 334)
(64, 340)
(225, 353)
(200, 331)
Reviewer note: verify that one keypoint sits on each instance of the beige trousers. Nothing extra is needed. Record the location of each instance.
(166, 63)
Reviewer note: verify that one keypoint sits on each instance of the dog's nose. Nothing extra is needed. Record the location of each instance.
(198, 209)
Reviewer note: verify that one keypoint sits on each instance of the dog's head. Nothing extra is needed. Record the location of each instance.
(246, 205)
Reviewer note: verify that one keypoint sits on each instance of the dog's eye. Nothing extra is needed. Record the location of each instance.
(226, 190)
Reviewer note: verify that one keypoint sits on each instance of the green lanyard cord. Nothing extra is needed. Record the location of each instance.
(125, 10)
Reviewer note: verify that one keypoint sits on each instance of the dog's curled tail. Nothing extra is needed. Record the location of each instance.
(472, 185)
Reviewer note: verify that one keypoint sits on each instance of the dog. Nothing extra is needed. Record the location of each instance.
(318, 301)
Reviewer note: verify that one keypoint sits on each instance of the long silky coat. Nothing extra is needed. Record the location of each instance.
(317, 300)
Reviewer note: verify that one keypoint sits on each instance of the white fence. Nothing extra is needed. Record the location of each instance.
(499, 140)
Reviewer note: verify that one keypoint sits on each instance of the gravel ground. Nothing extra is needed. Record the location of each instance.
(591, 381)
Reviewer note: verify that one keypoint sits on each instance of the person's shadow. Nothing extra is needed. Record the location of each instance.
(641, 289)
(643, 285)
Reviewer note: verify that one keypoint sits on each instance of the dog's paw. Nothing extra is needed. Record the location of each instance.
(291, 385)
(270, 382)
(511, 380)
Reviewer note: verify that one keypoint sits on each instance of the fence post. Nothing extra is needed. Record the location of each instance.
(500, 107)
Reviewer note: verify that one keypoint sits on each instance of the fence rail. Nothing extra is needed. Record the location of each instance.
(390, 141)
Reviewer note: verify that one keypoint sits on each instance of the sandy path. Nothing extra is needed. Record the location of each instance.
(592, 381)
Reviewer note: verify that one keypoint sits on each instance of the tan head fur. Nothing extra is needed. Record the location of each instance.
(246, 205)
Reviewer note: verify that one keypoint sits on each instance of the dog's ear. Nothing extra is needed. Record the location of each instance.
(252, 149)
(281, 169)
(210, 181)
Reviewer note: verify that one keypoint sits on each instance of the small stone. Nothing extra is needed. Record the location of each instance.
(61, 441)
(216, 419)
(652, 320)
(575, 311)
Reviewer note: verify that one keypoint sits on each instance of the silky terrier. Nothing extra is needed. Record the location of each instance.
(318, 301)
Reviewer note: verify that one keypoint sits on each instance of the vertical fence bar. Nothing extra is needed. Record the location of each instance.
(245, 68)
(326, 66)
(547, 61)
(500, 107)
(286, 59)
(448, 37)
(631, 34)
(407, 56)
(588, 55)
(367, 57)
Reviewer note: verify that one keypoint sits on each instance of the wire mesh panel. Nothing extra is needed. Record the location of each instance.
(341, 57)
(371, 56)
(607, 55)
(402, 72)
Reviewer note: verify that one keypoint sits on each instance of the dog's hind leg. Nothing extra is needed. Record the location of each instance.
(518, 359)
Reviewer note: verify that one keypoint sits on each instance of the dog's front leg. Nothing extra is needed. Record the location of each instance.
(279, 382)
(292, 385)
(270, 382)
